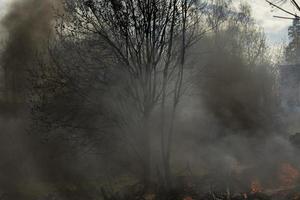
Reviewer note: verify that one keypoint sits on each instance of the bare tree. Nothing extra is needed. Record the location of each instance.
(148, 40)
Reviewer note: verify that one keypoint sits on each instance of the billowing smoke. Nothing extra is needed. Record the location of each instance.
(28, 27)
(231, 126)
(234, 127)
(241, 98)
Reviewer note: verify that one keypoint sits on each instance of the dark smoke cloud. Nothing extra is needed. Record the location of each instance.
(233, 125)
(28, 27)
(241, 98)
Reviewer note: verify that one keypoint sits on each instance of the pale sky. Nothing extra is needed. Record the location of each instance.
(275, 29)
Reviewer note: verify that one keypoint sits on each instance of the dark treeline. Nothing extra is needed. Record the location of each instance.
(104, 99)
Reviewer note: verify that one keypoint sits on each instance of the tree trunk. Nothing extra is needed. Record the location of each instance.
(146, 148)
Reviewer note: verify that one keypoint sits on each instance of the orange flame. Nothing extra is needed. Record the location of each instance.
(256, 186)
(288, 175)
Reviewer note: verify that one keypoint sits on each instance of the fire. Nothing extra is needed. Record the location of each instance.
(256, 186)
(288, 175)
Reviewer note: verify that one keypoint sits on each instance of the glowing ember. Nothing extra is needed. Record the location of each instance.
(256, 186)
(288, 175)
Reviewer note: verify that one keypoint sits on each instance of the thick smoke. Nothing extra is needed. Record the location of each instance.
(241, 98)
(28, 27)
(233, 127)
(31, 165)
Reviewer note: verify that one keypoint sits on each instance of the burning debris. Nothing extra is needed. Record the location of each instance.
(256, 186)
(288, 175)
